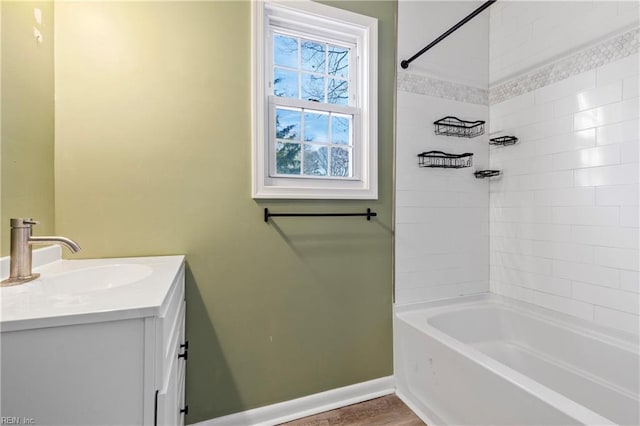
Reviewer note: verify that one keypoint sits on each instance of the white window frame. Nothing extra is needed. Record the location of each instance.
(328, 23)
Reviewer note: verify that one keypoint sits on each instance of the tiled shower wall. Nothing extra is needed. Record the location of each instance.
(525, 34)
(442, 215)
(564, 215)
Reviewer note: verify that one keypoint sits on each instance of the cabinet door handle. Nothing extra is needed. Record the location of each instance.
(185, 345)
(184, 355)
(185, 410)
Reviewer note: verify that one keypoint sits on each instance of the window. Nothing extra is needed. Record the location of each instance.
(315, 105)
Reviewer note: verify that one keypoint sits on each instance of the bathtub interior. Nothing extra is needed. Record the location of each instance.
(595, 370)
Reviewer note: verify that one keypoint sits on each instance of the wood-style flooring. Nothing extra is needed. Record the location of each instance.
(388, 410)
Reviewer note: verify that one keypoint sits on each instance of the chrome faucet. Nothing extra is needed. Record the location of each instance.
(21, 242)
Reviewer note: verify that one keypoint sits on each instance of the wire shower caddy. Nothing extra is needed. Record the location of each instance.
(503, 140)
(444, 160)
(453, 126)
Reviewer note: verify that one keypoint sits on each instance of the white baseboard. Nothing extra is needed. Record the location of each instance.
(307, 405)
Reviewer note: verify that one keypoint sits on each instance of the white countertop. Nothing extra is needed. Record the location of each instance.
(45, 302)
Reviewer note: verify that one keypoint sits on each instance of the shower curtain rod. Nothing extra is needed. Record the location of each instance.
(405, 63)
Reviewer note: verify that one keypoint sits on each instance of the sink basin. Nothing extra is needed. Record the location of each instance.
(86, 290)
(97, 278)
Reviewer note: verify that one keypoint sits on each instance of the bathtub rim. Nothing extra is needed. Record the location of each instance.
(407, 314)
(625, 340)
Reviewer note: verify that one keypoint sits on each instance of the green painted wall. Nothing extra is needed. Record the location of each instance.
(26, 75)
(153, 157)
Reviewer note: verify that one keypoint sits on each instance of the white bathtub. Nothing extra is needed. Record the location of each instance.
(488, 360)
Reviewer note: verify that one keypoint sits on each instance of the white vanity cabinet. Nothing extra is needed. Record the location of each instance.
(124, 366)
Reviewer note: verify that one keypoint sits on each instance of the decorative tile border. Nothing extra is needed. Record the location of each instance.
(595, 56)
(424, 85)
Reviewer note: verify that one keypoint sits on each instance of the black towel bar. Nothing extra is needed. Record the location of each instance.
(267, 214)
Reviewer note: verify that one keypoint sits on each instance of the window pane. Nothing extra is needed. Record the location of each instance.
(341, 129)
(285, 83)
(312, 87)
(338, 61)
(287, 124)
(313, 56)
(340, 162)
(315, 160)
(338, 92)
(285, 51)
(288, 158)
(316, 127)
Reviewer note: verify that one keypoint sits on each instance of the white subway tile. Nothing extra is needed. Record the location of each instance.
(521, 214)
(565, 87)
(565, 197)
(630, 281)
(549, 301)
(511, 245)
(608, 297)
(512, 199)
(588, 273)
(617, 70)
(623, 174)
(627, 131)
(447, 217)
(507, 183)
(427, 238)
(426, 199)
(566, 142)
(413, 294)
(630, 87)
(425, 277)
(560, 179)
(512, 105)
(474, 198)
(617, 195)
(495, 17)
(524, 149)
(544, 232)
(568, 193)
(507, 230)
(616, 319)
(562, 304)
(601, 116)
(629, 216)
(591, 157)
(606, 236)
(618, 258)
(533, 114)
(545, 283)
(524, 263)
(563, 251)
(588, 99)
(516, 167)
(596, 216)
(495, 260)
(557, 126)
(630, 152)
(629, 8)
(415, 262)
